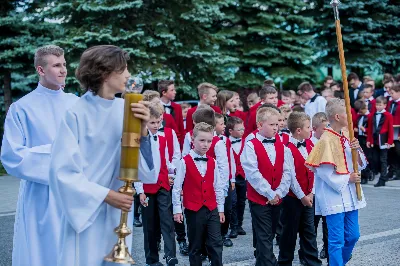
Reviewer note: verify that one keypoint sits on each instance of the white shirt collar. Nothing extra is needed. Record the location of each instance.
(295, 141)
(195, 155)
(261, 138)
(165, 104)
(381, 112)
(370, 98)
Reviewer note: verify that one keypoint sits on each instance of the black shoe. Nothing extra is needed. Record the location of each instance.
(159, 245)
(371, 176)
(380, 183)
(303, 262)
(171, 260)
(137, 223)
(183, 248)
(240, 231)
(322, 254)
(227, 242)
(364, 181)
(233, 233)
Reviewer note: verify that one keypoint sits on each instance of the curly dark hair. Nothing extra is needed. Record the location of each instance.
(97, 63)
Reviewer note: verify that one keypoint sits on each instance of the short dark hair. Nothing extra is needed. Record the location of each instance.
(286, 94)
(232, 121)
(270, 105)
(268, 82)
(99, 62)
(163, 85)
(334, 84)
(305, 86)
(351, 76)
(388, 81)
(396, 87)
(328, 78)
(298, 108)
(206, 115)
(381, 99)
(359, 105)
(338, 94)
(397, 78)
(368, 86)
(267, 89)
(218, 116)
(296, 120)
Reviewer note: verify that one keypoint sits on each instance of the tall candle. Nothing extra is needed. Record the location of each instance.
(130, 140)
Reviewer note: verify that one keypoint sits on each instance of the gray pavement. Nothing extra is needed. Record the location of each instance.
(379, 224)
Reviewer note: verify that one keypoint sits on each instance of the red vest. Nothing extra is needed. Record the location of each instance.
(199, 191)
(228, 149)
(271, 173)
(162, 180)
(395, 111)
(285, 138)
(304, 176)
(239, 168)
(170, 142)
(211, 151)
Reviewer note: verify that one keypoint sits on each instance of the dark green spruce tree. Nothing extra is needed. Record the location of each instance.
(165, 39)
(271, 39)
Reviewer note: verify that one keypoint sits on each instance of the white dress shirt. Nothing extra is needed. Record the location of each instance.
(176, 155)
(167, 110)
(219, 184)
(294, 184)
(187, 142)
(254, 176)
(333, 192)
(232, 160)
(315, 105)
(155, 149)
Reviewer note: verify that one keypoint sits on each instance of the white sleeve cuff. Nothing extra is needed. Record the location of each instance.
(221, 208)
(177, 209)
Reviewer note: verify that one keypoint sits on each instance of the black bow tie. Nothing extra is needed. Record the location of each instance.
(201, 159)
(221, 138)
(236, 141)
(161, 129)
(168, 106)
(285, 130)
(377, 113)
(299, 144)
(155, 137)
(269, 141)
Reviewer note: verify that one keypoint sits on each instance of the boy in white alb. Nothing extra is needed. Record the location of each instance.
(335, 190)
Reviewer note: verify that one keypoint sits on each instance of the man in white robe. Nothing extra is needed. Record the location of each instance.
(29, 130)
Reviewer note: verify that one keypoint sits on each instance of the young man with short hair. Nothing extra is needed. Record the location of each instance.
(29, 131)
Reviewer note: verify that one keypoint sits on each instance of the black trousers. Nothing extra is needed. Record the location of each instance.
(317, 218)
(297, 218)
(367, 151)
(238, 202)
(136, 205)
(227, 212)
(179, 228)
(380, 161)
(159, 207)
(204, 226)
(264, 218)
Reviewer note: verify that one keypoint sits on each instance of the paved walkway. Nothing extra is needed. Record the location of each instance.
(9, 187)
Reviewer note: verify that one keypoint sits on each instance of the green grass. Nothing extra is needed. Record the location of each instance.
(2, 170)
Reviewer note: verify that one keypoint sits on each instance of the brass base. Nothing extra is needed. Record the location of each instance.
(120, 254)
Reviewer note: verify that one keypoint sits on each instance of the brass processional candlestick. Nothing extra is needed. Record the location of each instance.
(354, 153)
(129, 168)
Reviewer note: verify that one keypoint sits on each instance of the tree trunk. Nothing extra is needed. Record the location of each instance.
(330, 71)
(7, 90)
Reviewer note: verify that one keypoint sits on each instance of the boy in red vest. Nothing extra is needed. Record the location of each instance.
(208, 95)
(380, 139)
(393, 108)
(156, 197)
(219, 132)
(368, 98)
(265, 164)
(203, 197)
(268, 94)
(235, 128)
(297, 207)
(167, 91)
